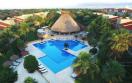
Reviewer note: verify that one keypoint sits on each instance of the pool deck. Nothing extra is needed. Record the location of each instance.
(63, 76)
(23, 74)
(34, 51)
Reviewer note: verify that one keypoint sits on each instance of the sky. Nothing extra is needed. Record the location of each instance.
(30, 4)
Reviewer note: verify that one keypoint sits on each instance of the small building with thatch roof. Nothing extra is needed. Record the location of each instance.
(65, 24)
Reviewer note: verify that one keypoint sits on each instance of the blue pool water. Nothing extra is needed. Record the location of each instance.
(56, 58)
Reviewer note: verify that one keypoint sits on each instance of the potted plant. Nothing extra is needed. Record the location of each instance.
(66, 45)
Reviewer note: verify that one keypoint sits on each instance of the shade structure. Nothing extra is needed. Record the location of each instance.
(14, 57)
(65, 24)
(46, 36)
(7, 63)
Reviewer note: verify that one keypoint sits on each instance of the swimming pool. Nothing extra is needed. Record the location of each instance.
(56, 58)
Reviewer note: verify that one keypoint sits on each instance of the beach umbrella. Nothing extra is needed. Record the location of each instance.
(14, 57)
(7, 63)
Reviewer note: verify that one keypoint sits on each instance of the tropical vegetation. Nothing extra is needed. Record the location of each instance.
(30, 80)
(30, 63)
(111, 63)
(113, 45)
(7, 76)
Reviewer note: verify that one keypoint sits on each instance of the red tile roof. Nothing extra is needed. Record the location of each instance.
(128, 26)
(17, 19)
(3, 25)
(130, 22)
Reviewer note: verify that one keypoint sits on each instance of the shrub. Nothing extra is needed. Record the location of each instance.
(30, 80)
(93, 51)
(20, 43)
(30, 63)
(7, 76)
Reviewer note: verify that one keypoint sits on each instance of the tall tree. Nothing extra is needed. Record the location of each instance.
(85, 64)
(113, 72)
(120, 42)
(24, 29)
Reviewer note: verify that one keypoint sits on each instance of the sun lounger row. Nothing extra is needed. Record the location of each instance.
(64, 38)
(74, 75)
(42, 69)
(15, 63)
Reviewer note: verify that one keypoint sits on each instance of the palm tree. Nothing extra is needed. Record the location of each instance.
(130, 40)
(113, 72)
(20, 44)
(86, 65)
(8, 34)
(120, 42)
(51, 18)
(14, 29)
(38, 21)
(24, 29)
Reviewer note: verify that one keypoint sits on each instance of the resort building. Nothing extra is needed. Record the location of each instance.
(10, 21)
(22, 17)
(17, 19)
(25, 16)
(118, 21)
(4, 24)
(126, 23)
(119, 11)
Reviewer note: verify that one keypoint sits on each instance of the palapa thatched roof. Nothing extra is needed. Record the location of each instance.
(65, 24)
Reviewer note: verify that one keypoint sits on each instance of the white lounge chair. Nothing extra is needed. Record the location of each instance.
(15, 63)
(44, 71)
(42, 68)
(13, 67)
(74, 75)
(19, 60)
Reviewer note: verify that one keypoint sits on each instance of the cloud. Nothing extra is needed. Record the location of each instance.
(105, 5)
(20, 4)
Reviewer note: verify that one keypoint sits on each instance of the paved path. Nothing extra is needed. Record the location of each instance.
(23, 74)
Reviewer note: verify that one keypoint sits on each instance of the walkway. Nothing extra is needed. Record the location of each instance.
(23, 74)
